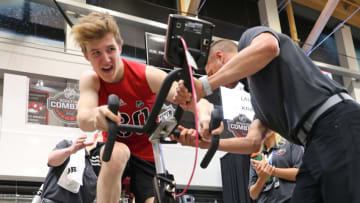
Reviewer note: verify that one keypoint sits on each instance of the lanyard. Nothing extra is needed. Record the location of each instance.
(268, 157)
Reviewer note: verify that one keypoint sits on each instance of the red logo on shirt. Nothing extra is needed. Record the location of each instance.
(280, 152)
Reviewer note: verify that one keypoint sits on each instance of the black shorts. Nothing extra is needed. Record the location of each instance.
(141, 173)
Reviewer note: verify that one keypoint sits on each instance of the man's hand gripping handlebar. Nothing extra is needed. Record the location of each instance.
(216, 118)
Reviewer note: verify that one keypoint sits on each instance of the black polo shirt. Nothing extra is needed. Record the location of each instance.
(287, 155)
(87, 191)
(286, 91)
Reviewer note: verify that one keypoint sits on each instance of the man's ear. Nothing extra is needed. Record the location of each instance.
(219, 55)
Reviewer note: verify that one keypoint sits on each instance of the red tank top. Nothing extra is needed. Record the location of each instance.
(136, 101)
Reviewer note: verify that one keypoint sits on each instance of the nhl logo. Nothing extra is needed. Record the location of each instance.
(70, 93)
(168, 111)
(139, 104)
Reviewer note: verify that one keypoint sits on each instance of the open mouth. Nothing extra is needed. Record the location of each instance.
(107, 69)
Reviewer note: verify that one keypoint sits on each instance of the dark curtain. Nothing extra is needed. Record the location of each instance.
(235, 178)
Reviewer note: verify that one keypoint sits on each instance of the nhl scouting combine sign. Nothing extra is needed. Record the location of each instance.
(64, 105)
(238, 111)
(239, 125)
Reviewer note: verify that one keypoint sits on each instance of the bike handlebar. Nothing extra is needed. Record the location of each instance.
(113, 104)
(215, 121)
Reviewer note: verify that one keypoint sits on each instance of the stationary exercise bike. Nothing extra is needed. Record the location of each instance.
(197, 34)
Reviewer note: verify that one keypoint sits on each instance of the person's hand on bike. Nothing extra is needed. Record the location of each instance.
(184, 97)
(188, 138)
(103, 112)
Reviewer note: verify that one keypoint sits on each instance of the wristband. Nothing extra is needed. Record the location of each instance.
(206, 86)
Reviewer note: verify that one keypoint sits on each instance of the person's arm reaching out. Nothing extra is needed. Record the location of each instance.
(58, 156)
(245, 145)
(155, 78)
(242, 145)
(261, 51)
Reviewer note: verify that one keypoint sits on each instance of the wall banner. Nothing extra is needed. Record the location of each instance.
(64, 105)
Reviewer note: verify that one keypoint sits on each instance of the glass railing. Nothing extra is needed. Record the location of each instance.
(44, 20)
(32, 19)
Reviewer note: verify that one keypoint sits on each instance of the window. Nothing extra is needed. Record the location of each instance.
(29, 18)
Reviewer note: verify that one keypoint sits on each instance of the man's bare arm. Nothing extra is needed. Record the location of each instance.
(155, 78)
(89, 85)
(245, 145)
(91, 116)
(57, 157)
(242, 145)
(262, 50)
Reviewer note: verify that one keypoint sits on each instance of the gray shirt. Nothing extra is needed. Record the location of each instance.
(87, 191)
(279, 190)
(286, 91)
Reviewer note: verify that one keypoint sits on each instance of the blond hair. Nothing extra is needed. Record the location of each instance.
(95, 26)
(223, 45)
(279, 140)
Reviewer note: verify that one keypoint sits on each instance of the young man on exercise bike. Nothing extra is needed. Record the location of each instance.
(136, 85)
